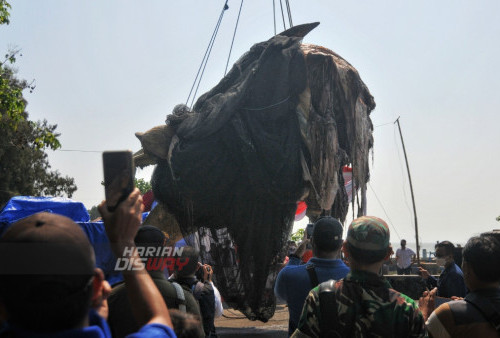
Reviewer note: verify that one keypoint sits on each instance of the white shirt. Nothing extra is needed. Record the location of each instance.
(218, 302)
(403, 257)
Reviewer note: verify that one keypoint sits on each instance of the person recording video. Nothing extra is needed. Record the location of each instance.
(71, 293)
(198, 278)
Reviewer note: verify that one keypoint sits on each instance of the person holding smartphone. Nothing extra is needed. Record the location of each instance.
(198, 278)
(65, 295)
(146, 302)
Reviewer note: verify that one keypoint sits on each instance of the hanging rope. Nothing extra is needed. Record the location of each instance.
(289, 13)
(204, 61)
(270, 106)
(274, 16)
(282, 15)
(234, 34)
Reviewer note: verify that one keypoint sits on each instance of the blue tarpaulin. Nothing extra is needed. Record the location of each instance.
(104, 257)
(24, 206)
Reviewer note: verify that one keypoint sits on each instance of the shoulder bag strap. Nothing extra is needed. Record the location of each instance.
(313, 277)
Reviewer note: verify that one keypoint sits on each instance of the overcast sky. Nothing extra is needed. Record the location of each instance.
(107, 69)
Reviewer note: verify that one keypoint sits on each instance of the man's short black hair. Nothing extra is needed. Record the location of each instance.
(192, 256)
(495, 234)
(366, 256)
(149, 237)
(482, 253)
(447, 246)
(327, 234)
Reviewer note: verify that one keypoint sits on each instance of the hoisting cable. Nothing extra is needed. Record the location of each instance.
(289, 12)
(282, 15)
(234, 34)
(209, 51)
(207, 55)
(274, 16)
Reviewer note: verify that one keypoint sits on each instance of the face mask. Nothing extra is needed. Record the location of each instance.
(440, 261)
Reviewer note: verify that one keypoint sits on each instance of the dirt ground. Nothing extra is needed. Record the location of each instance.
(233, 323)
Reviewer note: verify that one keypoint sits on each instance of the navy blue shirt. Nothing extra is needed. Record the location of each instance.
(450, 283)
(293, 283)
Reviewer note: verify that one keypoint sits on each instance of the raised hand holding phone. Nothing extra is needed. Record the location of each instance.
(207, 272)
(122, 215)
(121, 227)
(122, 224)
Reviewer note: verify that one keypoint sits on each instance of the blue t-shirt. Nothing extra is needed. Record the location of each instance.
(98, 328)
(293, 283)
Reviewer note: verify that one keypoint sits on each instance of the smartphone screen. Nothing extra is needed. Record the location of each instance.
(119, 172)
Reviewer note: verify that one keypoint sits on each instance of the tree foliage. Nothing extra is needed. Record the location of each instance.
(24, 166)
(94, 213)
(298, 236)
(4, 12)
(142, 185)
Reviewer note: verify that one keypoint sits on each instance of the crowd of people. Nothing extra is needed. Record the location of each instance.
(357, 301)
(50, 287)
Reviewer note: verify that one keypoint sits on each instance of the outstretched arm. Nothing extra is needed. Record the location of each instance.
(121, 227)
(426, 303)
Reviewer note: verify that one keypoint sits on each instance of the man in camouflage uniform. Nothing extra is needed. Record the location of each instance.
(363, 303)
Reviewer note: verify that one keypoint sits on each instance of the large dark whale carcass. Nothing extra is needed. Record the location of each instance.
(277, 129)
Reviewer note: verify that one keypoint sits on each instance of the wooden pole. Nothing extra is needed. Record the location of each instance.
(411, 189)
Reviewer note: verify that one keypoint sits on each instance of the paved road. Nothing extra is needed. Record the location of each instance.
(233, 323)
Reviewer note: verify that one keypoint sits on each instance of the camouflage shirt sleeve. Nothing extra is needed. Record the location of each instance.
(416, 319)
(309, 319)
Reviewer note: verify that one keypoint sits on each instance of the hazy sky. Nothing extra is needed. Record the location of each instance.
(107, 69)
